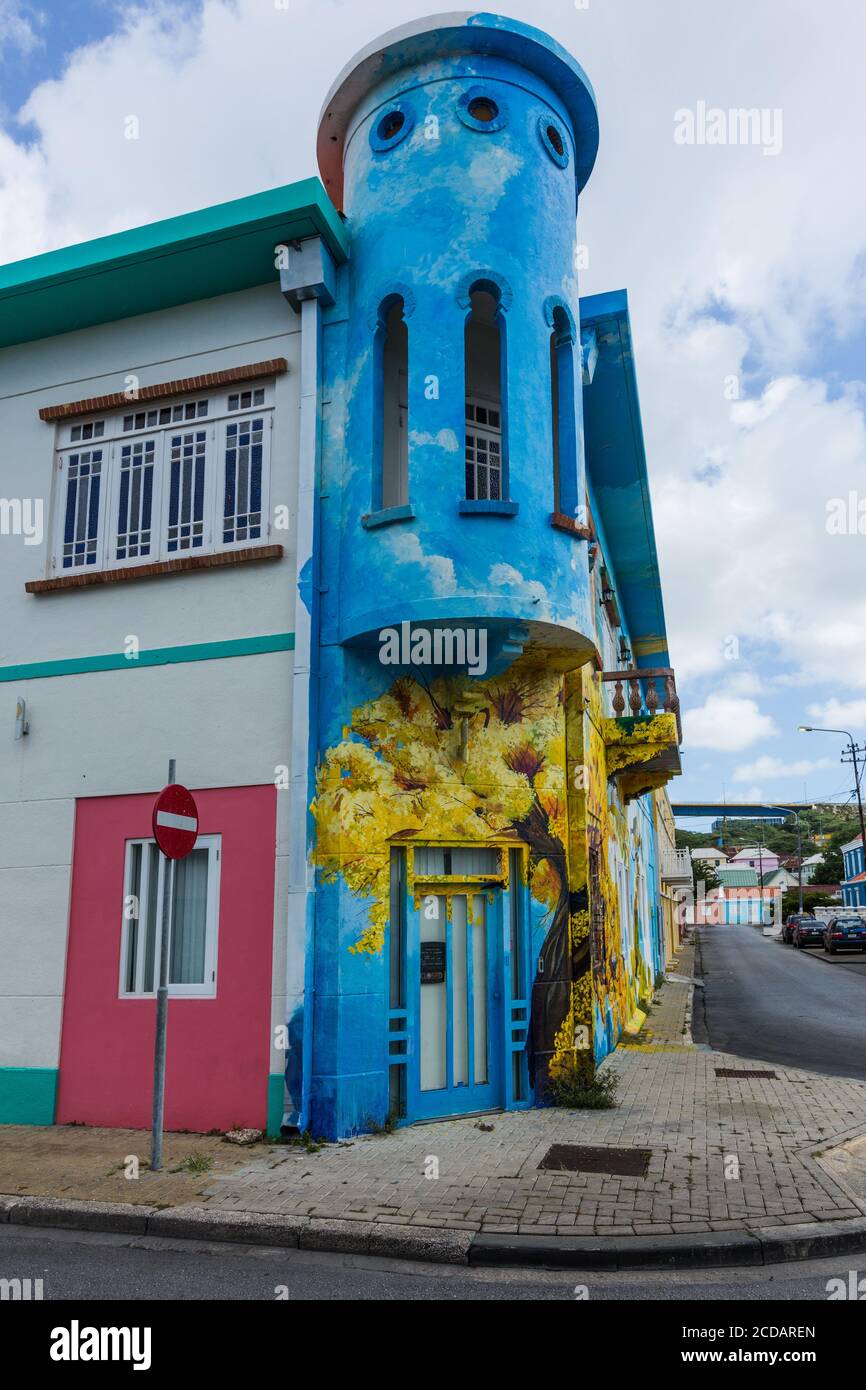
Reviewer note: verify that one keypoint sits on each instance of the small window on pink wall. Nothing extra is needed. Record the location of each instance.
(218, 1028)
(194, 920)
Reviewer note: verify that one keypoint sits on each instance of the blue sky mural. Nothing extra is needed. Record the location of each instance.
(742, 246)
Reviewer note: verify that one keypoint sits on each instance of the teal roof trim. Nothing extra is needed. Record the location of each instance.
(617, 467)
(217, 250)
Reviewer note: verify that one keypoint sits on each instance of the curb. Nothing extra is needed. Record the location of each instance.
(706, 1250)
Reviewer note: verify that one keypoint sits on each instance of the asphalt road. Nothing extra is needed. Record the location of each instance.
(83, 1265)
(768, 1001)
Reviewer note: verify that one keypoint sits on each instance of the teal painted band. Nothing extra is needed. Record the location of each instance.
(27, 1095)
(156, 656)
(276, 1102)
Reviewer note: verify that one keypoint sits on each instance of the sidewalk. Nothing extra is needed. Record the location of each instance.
(671, 1102)
(724, 1155)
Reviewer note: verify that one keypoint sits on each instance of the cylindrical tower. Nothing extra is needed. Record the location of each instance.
(457, 147)
(456, 600)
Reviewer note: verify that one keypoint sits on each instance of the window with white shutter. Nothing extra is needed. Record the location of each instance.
(187, 477)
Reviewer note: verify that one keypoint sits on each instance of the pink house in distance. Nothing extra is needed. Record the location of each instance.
(759, 858)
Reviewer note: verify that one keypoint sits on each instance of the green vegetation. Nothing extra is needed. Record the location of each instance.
(791, 901)
(578, 1088)
(194, 1163)
(840, 822)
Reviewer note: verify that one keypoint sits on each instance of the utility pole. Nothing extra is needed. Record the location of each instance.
(849, 756)
(761, 876)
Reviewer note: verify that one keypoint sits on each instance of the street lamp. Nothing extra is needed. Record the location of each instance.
(854, 750)
(791, 812)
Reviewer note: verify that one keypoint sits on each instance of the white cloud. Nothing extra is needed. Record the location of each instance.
(754, 794)
(776, 769)
(734, 263)
(407, 550)
(503, 576)
(18, 27)
(744, 683)
(726, 723)
(839, 714)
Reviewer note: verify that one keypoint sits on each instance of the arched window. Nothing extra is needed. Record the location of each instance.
(563, 415)
(391, 407)
(486, 401)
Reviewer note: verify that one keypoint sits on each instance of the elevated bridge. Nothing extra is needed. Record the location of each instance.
(738, 810)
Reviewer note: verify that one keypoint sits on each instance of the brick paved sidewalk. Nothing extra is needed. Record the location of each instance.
(671, 1102)
(725, 1153)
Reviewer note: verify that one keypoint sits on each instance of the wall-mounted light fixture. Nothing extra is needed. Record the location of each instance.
(22, 726)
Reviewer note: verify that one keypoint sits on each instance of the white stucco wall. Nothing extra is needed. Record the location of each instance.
(227, 721)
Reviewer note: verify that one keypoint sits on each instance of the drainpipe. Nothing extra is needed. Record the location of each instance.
(308, 281)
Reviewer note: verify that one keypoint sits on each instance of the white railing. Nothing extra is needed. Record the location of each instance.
(676, 864)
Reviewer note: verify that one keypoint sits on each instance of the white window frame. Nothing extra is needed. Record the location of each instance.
(61, 485)
(206, 990)
(112, 439)
(488, 433)
(237, 417)
(113, 491)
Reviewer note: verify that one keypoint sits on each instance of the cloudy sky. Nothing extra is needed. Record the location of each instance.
(745, 265)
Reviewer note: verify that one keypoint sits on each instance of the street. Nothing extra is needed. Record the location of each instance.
(80, 1265)
(768, 1001)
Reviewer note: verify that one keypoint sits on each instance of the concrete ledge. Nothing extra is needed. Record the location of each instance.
(707, 1250)
(812, 1240)
(397, 1242)
(80, 1216)
(424, 1244)
(246, 1228)
(704, 1250)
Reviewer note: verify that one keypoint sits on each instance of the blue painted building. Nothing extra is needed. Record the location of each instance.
(492, 704)
(411, 656)
(854, 882)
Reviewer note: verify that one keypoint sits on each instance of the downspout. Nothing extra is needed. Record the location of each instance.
(307, 279)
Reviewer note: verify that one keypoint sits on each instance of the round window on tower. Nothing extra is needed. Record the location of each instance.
(554, 139)
(480, 110)
(392, 126)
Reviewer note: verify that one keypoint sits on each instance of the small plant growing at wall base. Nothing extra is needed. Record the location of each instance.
(195, 1163)
(580, 1087)
(387, 1127)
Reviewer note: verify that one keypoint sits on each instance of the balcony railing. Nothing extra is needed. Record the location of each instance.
(651, 690)
(676, 865)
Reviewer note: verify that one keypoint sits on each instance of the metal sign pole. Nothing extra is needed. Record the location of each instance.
(162, 1007)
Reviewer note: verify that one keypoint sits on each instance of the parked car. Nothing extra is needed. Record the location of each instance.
(808, 932)
(790, 923)
(844, 934)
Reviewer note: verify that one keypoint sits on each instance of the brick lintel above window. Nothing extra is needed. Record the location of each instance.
(88, 579)
(276, 366)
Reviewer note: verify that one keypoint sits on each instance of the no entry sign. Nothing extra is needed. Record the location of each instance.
(175, 821)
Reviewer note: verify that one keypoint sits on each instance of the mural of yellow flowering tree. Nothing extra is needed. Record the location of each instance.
(455, 760)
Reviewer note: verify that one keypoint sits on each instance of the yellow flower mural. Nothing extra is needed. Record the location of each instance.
(521, 757)
(454, 760)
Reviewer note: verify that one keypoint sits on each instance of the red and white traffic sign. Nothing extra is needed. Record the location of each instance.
(175, 821)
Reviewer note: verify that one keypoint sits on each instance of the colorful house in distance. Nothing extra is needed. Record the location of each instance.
(756, 857)
(710, 855)
(675, 874)
(739, 899)
(853, 885)
(810, 867)
(355, 522)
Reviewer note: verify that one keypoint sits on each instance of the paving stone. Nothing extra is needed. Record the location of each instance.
(671, 1102)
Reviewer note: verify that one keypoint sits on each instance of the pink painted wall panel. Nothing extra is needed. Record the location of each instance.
(218, 1049)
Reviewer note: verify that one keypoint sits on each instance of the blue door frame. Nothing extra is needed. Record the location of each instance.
(459, 1098)
(508, 978)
